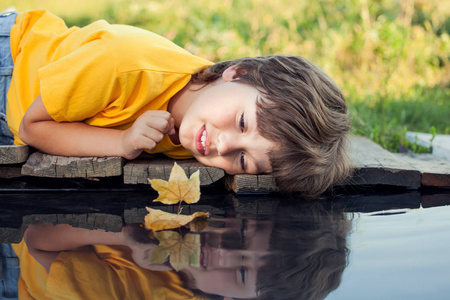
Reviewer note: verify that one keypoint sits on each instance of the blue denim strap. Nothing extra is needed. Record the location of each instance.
(7, 20)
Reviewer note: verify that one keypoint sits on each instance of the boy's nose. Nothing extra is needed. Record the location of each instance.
(226, 143)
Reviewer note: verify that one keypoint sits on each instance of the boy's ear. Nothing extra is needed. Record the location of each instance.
(233, 72)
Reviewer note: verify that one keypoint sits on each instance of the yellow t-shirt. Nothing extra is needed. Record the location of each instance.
(95, 272)
(104, 75)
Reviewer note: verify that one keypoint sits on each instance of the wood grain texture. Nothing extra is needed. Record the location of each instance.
(45, 165)
(375, 165)
(13, 154)
(435, 171)
(139, 171)
(10, 171)
(245, 183)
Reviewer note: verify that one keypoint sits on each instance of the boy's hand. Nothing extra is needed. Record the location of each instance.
(146, 132)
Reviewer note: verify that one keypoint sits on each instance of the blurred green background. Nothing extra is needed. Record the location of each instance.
(391, 58)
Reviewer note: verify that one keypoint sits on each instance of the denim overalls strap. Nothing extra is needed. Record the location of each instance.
(7, 20)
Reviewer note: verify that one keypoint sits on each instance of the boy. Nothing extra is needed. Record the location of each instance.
(115, 90)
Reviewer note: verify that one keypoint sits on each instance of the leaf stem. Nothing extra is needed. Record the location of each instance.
(179, 208)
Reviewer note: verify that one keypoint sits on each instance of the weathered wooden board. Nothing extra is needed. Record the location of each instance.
(435, 171)
(14, 154)
(373, 165)
(139, 171)
(244, 183)
(44, 165)
(10, 171)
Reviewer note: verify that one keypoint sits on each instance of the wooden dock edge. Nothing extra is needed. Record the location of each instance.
(13, 154)
(139, 171)
(373, 166)
(45, 165)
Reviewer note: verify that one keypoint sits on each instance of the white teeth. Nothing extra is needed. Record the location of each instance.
(203, 140)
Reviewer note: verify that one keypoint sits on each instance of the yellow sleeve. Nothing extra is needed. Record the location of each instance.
(108, 272)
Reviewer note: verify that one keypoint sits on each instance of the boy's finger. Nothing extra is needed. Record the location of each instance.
(158, 113)
(171, 126)
(160, 123)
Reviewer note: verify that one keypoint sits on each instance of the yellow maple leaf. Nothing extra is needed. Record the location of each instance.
(178, 188)
(157, 220)
(181, 251)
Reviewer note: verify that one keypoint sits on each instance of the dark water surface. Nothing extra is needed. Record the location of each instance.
(365, 245)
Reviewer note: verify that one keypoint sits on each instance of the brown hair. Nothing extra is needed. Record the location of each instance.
(312, 253)
(307, 252)
(304, 112)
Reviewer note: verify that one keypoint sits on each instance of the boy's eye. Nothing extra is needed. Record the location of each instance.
(242, 160)
(242, 123)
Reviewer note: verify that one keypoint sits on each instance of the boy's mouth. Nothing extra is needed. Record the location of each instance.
(201, 141)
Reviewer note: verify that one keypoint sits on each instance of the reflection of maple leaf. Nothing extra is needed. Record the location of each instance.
(178, 188)
(157, 219)
(181, 251)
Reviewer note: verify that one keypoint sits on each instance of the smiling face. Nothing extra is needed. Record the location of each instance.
(219, 127)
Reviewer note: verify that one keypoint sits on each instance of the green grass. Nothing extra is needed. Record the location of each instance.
(391, 58)
(386, 119)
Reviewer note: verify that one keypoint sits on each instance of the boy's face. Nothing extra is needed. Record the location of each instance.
(231, 257)
(219, 127)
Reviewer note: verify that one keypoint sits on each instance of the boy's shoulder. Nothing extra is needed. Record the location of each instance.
(139, 49)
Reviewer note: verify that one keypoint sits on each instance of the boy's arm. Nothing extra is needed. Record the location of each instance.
(38, 129)
(45, 241)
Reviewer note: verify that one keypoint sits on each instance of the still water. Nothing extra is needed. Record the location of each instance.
(370, 245)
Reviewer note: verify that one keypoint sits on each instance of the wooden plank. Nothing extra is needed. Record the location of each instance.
(45, 165)
(13, 154)
(435, 171)
(245, 183)
(138, 171)
(373, 165)
(10, 171)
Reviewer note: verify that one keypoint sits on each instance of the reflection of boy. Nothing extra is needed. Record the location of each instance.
(300, 259)
(113, 90)
(301, 255)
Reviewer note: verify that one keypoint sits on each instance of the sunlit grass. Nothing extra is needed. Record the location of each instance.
(391, 58)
